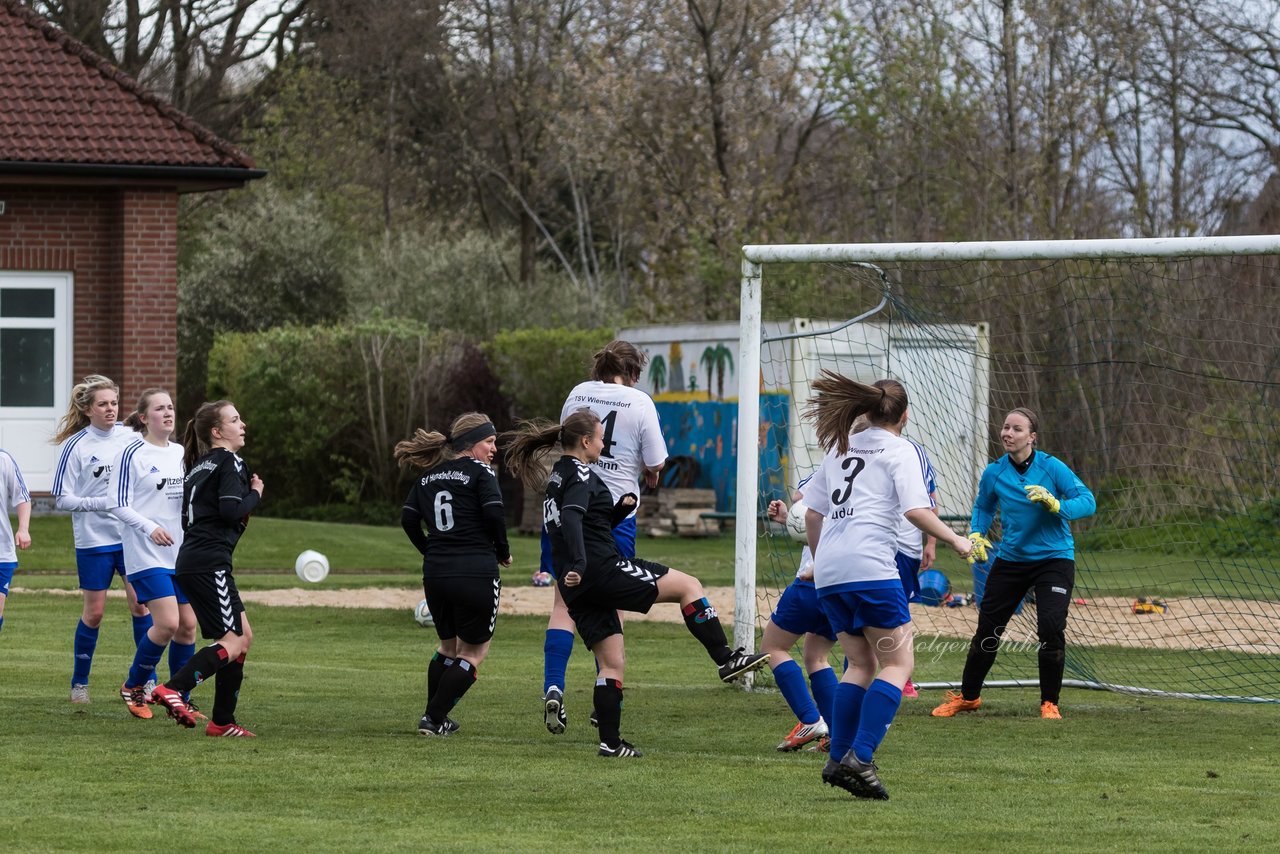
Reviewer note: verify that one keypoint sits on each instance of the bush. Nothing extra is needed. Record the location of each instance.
(325, 405)
(538, 366)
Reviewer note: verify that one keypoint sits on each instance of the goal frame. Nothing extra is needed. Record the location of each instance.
(756, 256)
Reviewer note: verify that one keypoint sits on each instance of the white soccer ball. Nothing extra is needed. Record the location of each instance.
(795, 522)
(311, 566)
(422, 615)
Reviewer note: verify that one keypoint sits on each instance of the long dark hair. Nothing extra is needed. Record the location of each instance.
(425, 450)
(197, 438)
(618, 358)
(838, 401)
(531, 440)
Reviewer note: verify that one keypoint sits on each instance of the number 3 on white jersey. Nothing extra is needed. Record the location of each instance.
(444, 511)
(550, 513)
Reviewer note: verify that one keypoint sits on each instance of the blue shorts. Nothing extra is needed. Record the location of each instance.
(909, 571)
(798, 611)
(96, 566)
(624, 537)
(6, 576)
(157, 584)
(850, 611)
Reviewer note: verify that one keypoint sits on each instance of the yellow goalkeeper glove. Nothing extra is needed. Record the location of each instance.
(1039, 495)
(980, 546)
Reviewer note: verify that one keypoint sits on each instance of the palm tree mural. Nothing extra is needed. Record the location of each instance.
(716, 360)
(658, 374)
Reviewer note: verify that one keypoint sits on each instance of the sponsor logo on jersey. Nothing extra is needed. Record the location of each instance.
(460, 476)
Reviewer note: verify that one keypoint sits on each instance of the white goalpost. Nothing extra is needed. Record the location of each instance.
(1177, 337)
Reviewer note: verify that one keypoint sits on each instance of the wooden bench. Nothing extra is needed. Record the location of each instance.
(713, 516)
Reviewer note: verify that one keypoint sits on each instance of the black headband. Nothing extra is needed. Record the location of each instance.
(475, 434)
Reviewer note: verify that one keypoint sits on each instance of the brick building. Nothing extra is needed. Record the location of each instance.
(91, 167)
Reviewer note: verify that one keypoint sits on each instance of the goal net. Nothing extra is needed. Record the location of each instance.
(1154, 366)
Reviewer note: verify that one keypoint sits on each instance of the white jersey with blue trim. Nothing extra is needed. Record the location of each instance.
(862, 496)
(80, 483)
(147, 480)
(13, 491)
(632, 435)
(911, 538)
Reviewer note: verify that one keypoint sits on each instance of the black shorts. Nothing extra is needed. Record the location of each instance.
(464, 607)
(216, 601)
(628, 585)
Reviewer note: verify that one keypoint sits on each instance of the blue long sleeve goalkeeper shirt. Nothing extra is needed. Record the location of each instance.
(1029, 532)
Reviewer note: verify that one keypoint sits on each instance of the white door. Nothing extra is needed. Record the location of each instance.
(35, 367)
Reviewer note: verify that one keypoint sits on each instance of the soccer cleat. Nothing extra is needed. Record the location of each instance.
(909, 690)
(451, 725)
(174, 705)
(231, 730)
(955, 703)
(741, 662)
(553, 711)
(80, 694)
(857, 778)
(1049, 711)
(624, 750)
(801, 734)
(135, 702)
(147, 688)
(196, 713)
(428, 726)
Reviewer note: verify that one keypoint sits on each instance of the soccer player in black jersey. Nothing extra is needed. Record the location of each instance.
(595, 580)
(218, 495)
(457, 496)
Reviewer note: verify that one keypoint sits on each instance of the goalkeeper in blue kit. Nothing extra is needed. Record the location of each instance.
(1037, 496)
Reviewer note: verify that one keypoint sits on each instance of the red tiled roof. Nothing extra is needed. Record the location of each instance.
(62, 103)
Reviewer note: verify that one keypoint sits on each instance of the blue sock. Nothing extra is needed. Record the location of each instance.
(179, 655)
(556, 649)
(846, 711)
(140, 626)
(144, 661)
(86, 641)
(790, 679)
(877, 713)
(823, 684)
(1, 623)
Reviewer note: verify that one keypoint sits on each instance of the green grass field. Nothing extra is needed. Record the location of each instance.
(335, 696)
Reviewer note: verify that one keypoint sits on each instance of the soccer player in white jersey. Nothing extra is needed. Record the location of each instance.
(90, 439)
(13, 494)
(146, 492)
(913, 555)
(799, 614)
(865, 485)
(633, 448)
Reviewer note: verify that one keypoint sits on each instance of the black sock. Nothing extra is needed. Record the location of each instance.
(704, 624)
(608, 700)
(434, 671)
(226, 692)
(454, 682)
(198, 668)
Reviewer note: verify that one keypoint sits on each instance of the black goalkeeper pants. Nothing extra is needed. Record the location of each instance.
(1007, 584)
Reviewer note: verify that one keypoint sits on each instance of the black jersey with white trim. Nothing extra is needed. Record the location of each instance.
(216, 503)
(575, 485)
(461, 505)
